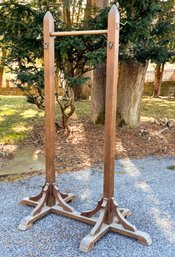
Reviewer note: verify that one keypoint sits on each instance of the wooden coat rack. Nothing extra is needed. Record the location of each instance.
(111, 217)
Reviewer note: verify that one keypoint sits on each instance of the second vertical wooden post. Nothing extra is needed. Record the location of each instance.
(49, 97)
(110, 105)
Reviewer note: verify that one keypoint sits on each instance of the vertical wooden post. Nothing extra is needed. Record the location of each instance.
(49, 97)
(111, 101)
(110, 106)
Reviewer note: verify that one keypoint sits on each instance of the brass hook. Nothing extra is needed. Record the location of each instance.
(45, 46)
(110, 45)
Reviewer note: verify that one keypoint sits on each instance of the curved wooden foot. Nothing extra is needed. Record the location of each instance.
(50, 196)
(88, 241)
(27, 222)
(142, 237)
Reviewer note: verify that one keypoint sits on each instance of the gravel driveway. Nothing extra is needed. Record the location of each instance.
(145, 186)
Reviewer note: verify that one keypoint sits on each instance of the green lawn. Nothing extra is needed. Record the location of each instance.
(18, 118)
(153, 108)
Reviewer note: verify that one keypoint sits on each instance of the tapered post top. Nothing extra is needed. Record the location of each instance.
(48, 16)
(115, 12)
(48, 24)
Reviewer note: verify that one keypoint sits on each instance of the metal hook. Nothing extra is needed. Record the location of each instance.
(45, 46)
(110, 45)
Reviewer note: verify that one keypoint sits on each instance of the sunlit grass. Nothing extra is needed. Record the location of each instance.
(82, 110)
(7, 111)
(18, 118)
(13, 138)
(21, 127)
(30, 113)
(153, 108)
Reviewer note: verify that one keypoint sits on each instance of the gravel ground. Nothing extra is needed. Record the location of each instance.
(145, 186)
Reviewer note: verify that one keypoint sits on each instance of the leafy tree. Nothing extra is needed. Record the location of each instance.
(22, 34)
(165, 41)
(140, 41)
(21, 30)
(139, 44)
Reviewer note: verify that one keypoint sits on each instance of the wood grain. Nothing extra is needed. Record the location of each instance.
(49, 97)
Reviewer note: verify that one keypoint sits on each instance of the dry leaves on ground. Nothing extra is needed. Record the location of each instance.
(84, 147)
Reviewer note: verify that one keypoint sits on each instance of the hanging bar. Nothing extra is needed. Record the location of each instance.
(78, 33)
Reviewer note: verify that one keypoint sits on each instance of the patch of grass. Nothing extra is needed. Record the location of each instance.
(152, 108)
(17, 119)
(121, 172)
(83, 110)
(171, 167)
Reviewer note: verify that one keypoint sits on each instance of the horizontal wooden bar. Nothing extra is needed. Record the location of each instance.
(78, 33)
(56, 209)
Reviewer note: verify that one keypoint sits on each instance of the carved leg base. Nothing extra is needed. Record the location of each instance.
(142, 237)
(50, 196)
(114, 219)
(88, 241)
(111, 217)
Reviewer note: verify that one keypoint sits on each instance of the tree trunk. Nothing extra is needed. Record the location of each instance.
(130, 90)
(88, 10)
(98, 94)
(158, 76)
(91, 5)
(101, 3)
(99, 82)
(4, 53)
(66, 12)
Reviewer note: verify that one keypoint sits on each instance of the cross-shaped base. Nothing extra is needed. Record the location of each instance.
(50, 196)
(111, 217)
